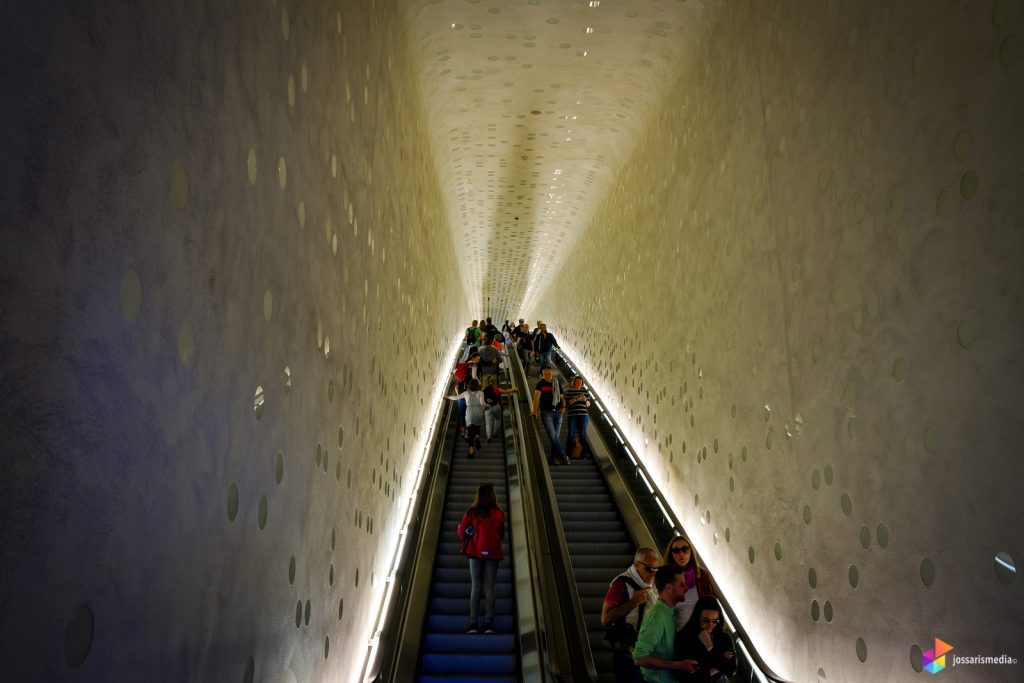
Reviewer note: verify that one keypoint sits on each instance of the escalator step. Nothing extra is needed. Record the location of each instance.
(577, 515)
(592, 536)
(455, 643)
(468, 664)
(450, 623)
(595, 527)
(586, 574)
(467, 679)
(584, 548)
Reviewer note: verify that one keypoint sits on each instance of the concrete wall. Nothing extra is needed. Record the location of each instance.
(203, 201)
(804, 298)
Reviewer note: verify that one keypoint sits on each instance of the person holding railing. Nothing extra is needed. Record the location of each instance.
(473, 399)
(577, 402)
(548, 400)
(492, 411)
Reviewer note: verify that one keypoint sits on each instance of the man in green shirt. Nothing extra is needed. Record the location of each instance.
(656, 641)
(472, 337)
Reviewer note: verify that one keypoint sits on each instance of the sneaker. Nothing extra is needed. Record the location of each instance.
(471, 630)
(565, 461)
(488, 629)
(555, 462)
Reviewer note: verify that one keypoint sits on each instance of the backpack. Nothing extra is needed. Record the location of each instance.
(461, 370)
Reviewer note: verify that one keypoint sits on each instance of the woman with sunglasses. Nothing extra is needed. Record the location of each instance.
(702, 638)
(680, 551)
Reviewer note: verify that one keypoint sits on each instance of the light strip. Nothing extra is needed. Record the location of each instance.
(375, 620)
(1008, 566)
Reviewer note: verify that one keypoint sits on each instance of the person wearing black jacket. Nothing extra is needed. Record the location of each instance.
(703, 639)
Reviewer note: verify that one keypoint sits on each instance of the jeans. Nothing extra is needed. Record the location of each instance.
(462, 412)
(524, 357)
(492, 418)
(545, 358)
(553, 424)
(482, 572)
(577, 427)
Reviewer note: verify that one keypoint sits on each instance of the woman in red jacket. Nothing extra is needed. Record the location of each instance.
(482, 528)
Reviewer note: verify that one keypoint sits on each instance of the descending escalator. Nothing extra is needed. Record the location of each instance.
(599, 543)
(447, 652)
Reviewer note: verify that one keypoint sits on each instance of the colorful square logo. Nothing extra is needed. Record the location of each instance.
(934, 660)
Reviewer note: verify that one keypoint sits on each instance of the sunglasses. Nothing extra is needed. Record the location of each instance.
(648, 567)
(710, 621)
(681, 549)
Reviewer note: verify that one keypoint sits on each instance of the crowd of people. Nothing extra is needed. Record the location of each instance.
(663, 620)
(478, 391)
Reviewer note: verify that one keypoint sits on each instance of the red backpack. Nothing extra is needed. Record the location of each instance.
(461, 370)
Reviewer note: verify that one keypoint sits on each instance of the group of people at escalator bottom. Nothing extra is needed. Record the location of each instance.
(663, 619)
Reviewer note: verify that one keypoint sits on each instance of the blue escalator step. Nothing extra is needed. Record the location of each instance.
(495, 643)
(461, 606)
(451, 623)
(468, 664)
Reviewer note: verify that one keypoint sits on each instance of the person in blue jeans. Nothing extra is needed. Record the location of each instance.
(543, 344)
(550, 403)
(577, 401)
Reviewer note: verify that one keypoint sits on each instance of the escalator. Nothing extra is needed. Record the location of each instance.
(608, 507)
(572, 530)
(599, 542)
(447, 652)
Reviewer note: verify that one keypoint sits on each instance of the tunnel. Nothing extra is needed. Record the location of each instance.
(783, 241)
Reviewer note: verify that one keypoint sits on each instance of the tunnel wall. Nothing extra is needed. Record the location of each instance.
(803, 299)
(228, 290)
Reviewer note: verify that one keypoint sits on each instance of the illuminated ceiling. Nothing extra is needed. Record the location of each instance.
(533, 106)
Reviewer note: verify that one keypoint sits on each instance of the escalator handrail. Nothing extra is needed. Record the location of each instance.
(571, 652)
(529, 606)
(742, 638)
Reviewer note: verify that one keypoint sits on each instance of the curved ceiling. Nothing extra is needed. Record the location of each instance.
(533, 105)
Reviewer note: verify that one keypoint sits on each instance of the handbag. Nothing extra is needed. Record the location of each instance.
(576, 452)
(621, 636)
(468, 532)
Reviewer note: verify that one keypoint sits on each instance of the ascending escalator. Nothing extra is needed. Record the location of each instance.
(447, 652)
